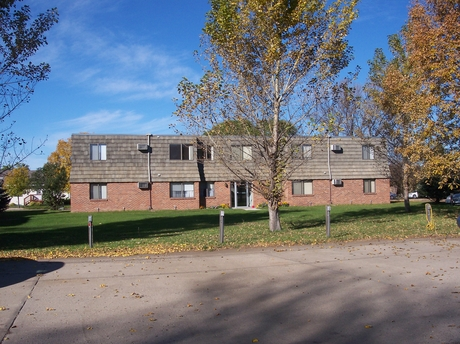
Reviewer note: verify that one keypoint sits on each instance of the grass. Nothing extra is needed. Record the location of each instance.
(39, 234)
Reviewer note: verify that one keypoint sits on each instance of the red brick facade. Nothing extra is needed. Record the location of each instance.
(351, 192)
(131, 162)
(127, 196)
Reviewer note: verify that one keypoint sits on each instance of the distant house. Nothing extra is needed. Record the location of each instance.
(139, 172)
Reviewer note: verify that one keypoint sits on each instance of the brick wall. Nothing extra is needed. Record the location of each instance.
(351, 192)
(221, 195)
(161, 199)
(127, 196)
(120, 196)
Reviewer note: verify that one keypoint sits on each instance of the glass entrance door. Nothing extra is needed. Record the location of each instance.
(241, 194)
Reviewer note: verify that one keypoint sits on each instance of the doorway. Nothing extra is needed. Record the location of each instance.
(241, 195)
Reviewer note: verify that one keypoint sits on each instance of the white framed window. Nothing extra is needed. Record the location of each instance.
(205, 153)
(98, 151)
(369, 185)
(98, 191)
(179, 151)
(302, 187)
(182, 190)
(210, 192)
(306, 151)
(241, 152)
(368, 152)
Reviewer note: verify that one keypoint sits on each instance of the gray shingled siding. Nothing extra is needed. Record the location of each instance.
(125, 163)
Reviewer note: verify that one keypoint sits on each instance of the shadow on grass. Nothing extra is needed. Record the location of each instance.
(134, 225)
(39, 229)
(349, 214)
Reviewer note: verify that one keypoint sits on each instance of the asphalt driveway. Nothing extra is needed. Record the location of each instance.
(367, 292)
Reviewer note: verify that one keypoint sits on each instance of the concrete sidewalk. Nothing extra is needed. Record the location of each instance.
(367, 292)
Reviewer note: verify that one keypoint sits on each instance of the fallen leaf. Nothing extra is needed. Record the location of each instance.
(368, 326)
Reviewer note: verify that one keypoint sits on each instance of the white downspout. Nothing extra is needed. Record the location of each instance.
(329, 166)
(149, 178)
(329, 156)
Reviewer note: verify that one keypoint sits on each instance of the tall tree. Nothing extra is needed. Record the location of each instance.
(20, 38)
(61, 156)
(51, 179)
(17, 181)
(4, 199)
(433, 45)
(404, 104)
(266, 60)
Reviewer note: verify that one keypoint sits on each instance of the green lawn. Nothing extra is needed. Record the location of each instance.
(52, 234)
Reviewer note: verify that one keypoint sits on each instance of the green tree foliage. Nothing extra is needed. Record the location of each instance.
(52, 180)
(265, 64)
(432, 188)
(244, 127)
(4, 199)
(17, 181)
(21, 37)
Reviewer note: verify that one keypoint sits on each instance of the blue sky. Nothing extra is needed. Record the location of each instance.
(115, 64)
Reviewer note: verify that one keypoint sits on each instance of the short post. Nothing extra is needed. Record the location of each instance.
(90, 231)
(221, 225)
(429, 217)
(328, 221)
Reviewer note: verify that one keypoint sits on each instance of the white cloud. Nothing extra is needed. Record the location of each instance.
(110, 63)
(134, 89)
(103, 121)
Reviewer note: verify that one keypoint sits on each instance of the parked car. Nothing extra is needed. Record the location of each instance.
(393, 195)
(454, 200)
(413, 194)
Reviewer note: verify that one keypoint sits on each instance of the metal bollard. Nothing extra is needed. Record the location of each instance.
(90, 231)
(221, 225)
(328, 221)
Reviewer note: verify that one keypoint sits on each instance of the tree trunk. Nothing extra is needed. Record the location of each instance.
(274, 216)
(406, 187)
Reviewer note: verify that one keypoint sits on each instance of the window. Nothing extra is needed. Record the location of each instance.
(181, 190)
(180, 152)
(302, 151)
(368, 152)
(303, 187)
(241, 153)
(306, 151)
(98, 151)
(210, 189)
(369, 185)
(98, 191)
(205, 153)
